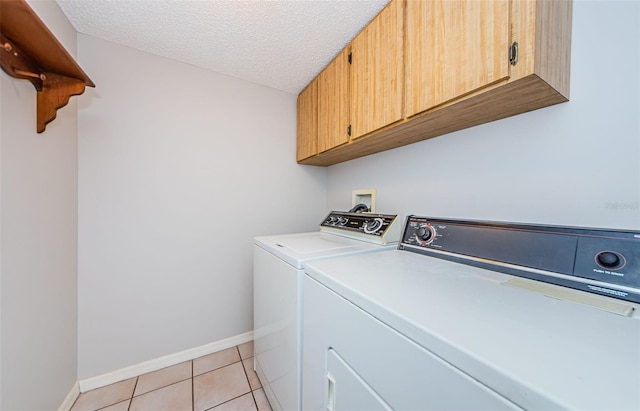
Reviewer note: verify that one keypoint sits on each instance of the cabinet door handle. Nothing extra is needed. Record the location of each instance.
(513, 53)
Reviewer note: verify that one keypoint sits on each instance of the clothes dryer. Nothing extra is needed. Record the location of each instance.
(476, 315)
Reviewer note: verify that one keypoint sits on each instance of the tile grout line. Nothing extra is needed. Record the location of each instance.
(159, 388)
(254, 400)
(193, 394)
(222, 403)
(246, 375)
(133, 393)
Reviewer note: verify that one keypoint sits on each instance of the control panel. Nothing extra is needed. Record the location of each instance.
(605, 262)
(366, 226)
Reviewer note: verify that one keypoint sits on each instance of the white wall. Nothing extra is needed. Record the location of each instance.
(577, 163)
(38, 217)
(179, 168)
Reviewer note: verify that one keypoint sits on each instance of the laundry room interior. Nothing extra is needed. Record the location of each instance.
(127, 226)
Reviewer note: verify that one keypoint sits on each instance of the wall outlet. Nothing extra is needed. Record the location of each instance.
(367, 197)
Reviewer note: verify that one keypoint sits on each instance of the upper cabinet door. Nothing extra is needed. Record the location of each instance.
(308, 121)
(454, 47)
(377, 75)
(333, 103)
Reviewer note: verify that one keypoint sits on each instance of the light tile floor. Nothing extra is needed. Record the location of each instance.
(222, 381)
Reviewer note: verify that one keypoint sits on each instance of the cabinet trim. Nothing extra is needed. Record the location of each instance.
(503, 100)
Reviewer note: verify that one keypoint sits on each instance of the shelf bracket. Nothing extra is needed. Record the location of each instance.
(29, 51)
(55, 94)
(53, 90)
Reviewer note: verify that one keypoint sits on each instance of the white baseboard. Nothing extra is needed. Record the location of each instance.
(70, 398)
(162, 362)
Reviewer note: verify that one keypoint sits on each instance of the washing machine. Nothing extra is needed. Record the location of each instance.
(476, 315)
(278, 272)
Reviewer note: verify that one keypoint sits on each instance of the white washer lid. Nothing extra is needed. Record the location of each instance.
(296, 249)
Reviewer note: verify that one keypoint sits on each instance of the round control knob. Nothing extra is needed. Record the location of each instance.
(372, 226)
(342, 220)
(608, 259)
(423, 234)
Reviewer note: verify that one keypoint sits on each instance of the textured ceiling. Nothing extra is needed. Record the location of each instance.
(282, 44)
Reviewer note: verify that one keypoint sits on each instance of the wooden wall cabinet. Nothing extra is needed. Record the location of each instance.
(465, 63)
(377, 80)
(308, 121)
(323, 109)
(453, 48)
(333, 103)
(360, 91)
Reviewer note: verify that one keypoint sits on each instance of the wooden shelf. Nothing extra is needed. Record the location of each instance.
(29, 51)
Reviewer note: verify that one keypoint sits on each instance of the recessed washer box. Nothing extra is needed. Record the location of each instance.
(367, 196)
